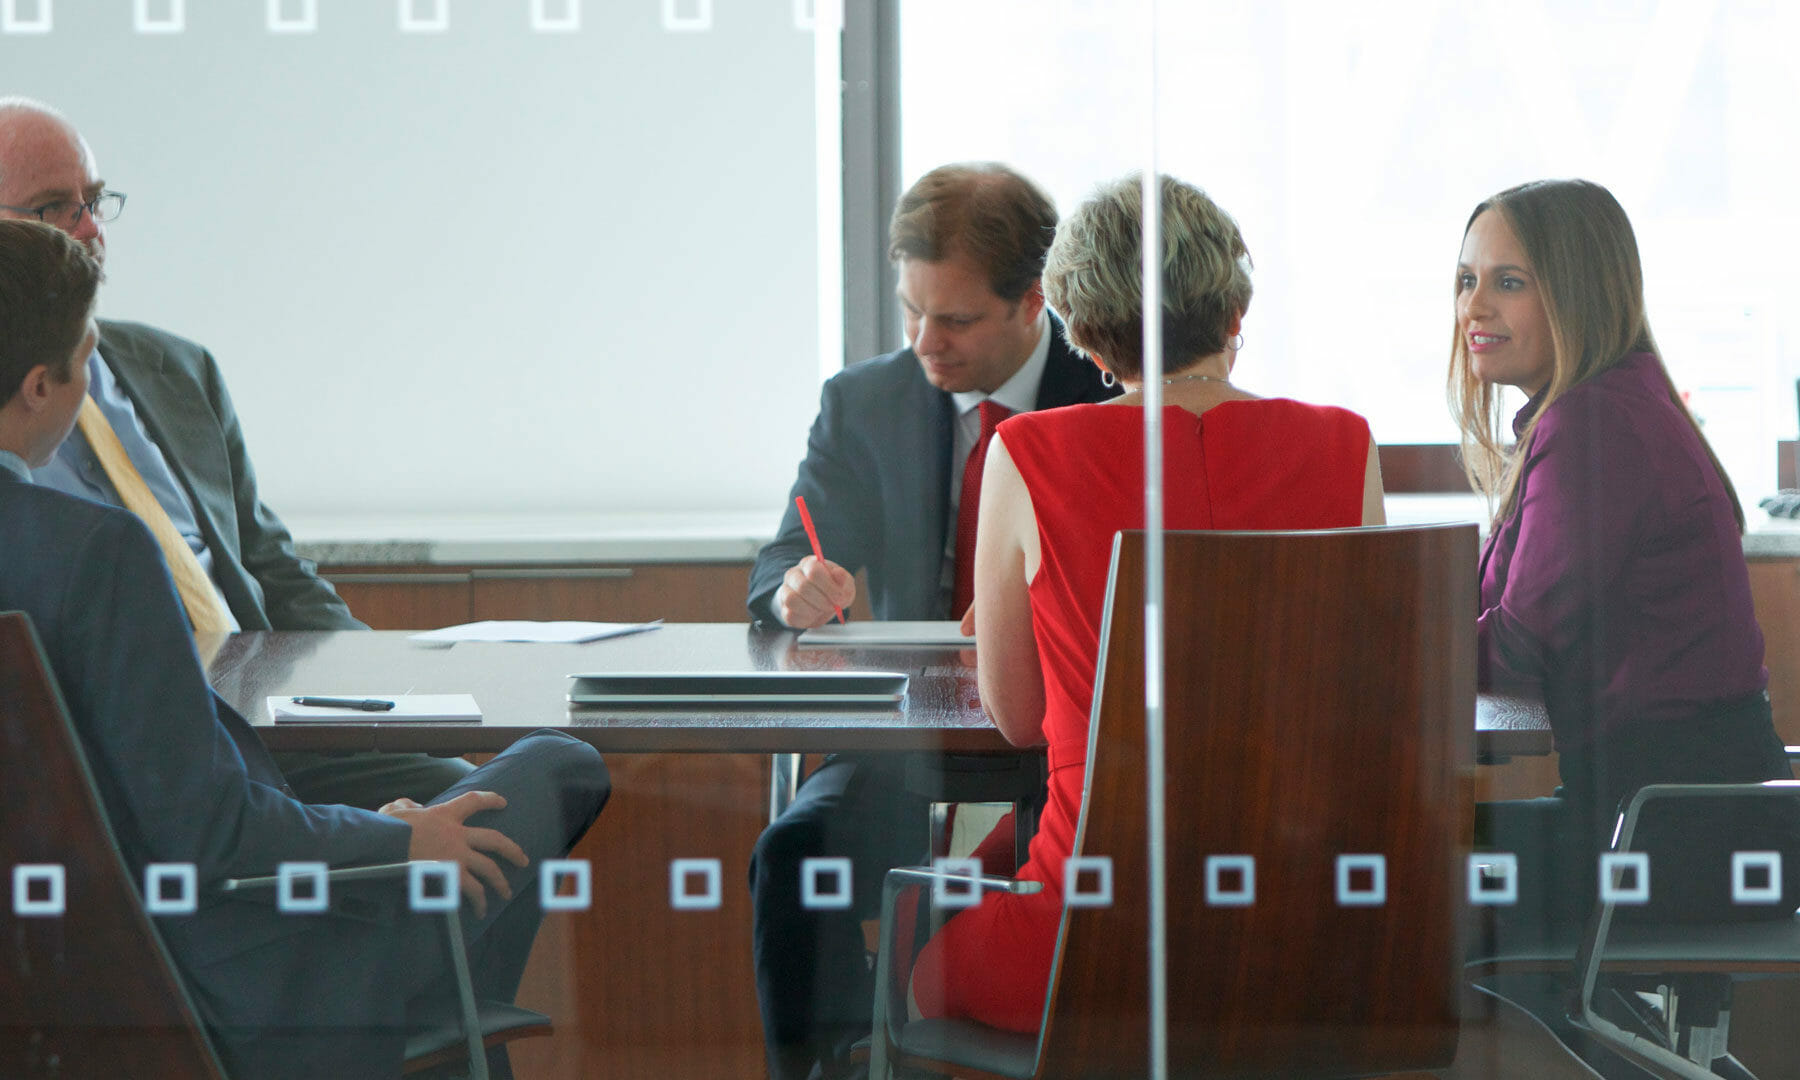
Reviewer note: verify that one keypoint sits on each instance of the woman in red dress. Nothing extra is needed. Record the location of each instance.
(1057, 486)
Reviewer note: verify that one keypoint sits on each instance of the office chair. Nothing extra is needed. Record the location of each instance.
(1690, 967)
(1320, 695)
(93, 991)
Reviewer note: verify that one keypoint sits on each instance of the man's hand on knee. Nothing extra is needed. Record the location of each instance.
(438, 834)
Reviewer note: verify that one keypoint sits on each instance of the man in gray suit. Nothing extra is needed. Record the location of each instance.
(165, 400)
(889, 480)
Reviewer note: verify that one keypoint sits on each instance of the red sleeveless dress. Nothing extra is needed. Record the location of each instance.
(1259, 464)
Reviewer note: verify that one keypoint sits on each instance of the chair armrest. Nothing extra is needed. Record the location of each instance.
(347, 873)
(890, 1012)
(459, 957)
(902, 876)
(1588, 960)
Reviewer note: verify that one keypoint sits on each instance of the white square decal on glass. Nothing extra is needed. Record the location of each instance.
(957, 883)
(432, 886)
(827, 15)
(39, 889)
(1361, 880)
(12, 24)
(1625, 877)
(567, 22)
(553, 872)
(813, 873)
(306, 22)
(436, 22)
(173, 22)
(1101, 867)
(301, 888)
(159, 899)
(1494, 878)
(686, 16)
(681, 872)
(1230, 880)
(1756, 877)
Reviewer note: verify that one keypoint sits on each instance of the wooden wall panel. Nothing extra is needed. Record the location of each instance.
(638, 990)
(405, 600)
(676, 592)
(1775, 588)
(1421, 468)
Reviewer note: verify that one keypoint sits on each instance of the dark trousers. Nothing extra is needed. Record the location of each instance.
(369, 780)
(813, 980)
(335, 1000)
(1690, 841)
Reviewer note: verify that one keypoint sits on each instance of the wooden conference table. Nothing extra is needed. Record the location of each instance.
(631, 981)
(522, 687)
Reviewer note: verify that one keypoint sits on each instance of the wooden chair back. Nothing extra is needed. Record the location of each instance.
(90, 992)
(1320, 701)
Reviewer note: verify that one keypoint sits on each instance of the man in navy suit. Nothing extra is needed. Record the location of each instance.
(884, 480)
(184, 779)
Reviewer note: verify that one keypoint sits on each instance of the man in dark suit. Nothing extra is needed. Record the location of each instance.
(184, 779)
(165, 400)
(891, 480)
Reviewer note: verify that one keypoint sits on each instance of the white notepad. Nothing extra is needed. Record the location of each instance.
(407, 707)
(867, 632)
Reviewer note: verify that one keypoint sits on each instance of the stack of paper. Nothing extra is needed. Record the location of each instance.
(522, 630)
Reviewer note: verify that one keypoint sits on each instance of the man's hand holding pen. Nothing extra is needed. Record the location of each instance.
(812, 591)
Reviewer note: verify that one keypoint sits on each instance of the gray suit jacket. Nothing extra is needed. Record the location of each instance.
(181, 397)
(877, 479)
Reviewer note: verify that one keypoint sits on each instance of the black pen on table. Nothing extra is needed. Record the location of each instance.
(360, 704)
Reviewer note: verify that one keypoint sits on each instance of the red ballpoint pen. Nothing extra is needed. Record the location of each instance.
(813, 535)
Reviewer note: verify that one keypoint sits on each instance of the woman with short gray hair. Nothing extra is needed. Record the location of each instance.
(1059, 483)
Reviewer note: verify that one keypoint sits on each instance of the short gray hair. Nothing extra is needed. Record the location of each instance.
(1093, 276)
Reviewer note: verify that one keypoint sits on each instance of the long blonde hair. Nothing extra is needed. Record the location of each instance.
(1582, 251)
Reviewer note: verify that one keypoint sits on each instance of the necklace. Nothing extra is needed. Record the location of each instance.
(1197, 378)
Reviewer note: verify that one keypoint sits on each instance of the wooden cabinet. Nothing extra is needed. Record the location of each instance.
(1775, 588)
(636, 989)
(423, 597)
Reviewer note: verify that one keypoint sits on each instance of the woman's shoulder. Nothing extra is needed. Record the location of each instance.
(1289, 415)
(1618, 404)
(1054, 423)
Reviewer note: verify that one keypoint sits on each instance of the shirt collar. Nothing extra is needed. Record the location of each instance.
(1020, 392)
(14, 464)
(1524, 415)
(1639, 366)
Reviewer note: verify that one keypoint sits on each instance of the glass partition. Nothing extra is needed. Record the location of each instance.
(543, 312)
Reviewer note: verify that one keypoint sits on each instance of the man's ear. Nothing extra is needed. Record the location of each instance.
(35, 387)
(1033, 300)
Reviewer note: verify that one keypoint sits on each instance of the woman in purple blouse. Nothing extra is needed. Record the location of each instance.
(1613, 582)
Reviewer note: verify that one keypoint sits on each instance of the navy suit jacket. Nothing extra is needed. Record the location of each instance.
(182, 777)
(877, 479)
(181, 398)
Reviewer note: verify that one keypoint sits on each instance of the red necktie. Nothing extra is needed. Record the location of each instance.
(963, 593)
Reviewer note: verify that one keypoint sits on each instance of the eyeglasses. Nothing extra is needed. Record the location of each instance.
(67, 215)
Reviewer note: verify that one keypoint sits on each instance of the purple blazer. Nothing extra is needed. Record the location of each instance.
(1617, 586)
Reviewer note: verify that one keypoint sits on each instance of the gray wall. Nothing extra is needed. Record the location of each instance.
(487, 270)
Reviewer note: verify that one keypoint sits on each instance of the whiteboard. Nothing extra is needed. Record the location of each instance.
(482, 268)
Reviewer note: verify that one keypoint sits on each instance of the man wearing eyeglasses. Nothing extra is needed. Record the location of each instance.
(160, 437)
